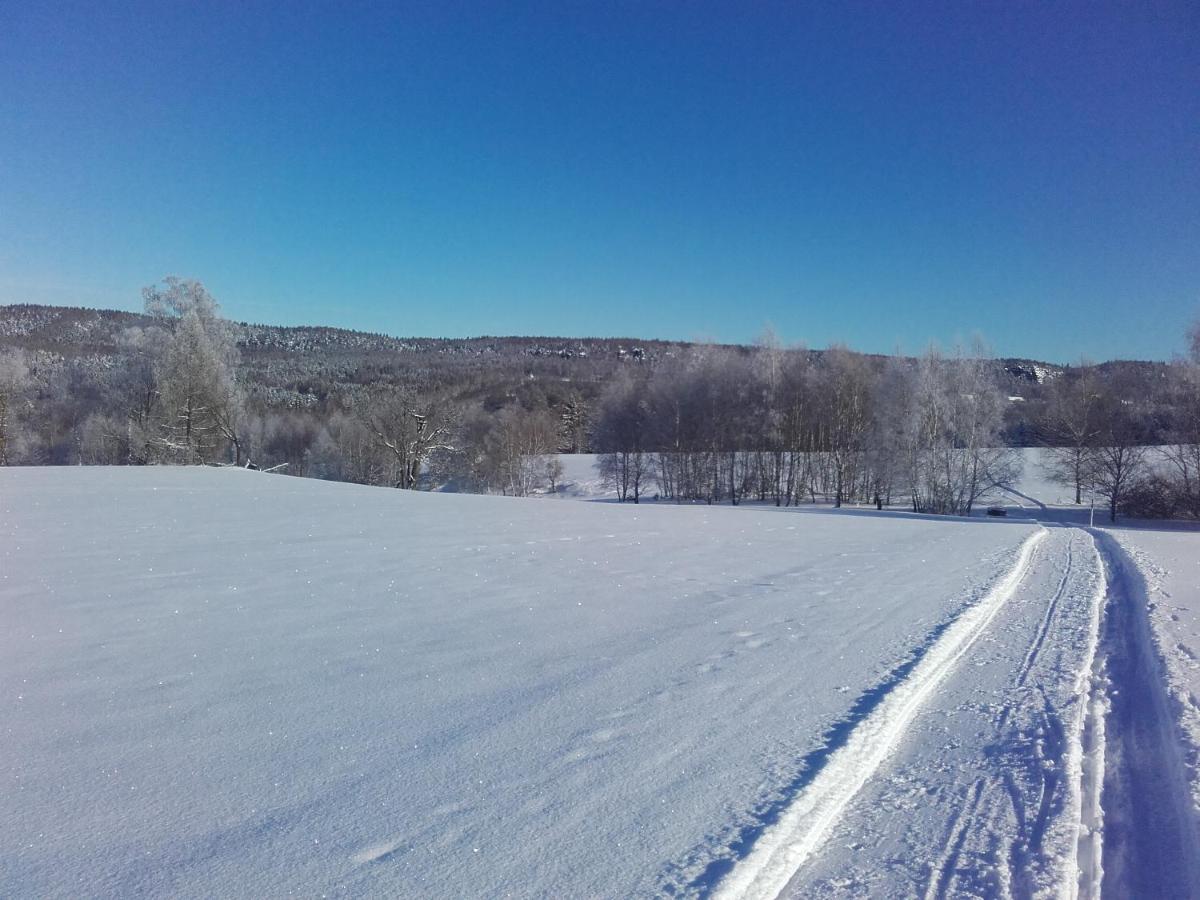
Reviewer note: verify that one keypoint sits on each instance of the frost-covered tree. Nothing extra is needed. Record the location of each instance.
(798, 424)
(767, 402)
(621, 435)
(1182, 454)
(134, 392)
(200, 404)
(511, 451)
(846, 386)
(954, 451)
(346, 450)
(1185, 453)
(14, 380)
(574, 421)
(888, 440)
(520, 448)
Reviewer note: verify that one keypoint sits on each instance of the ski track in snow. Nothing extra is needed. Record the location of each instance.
(1084, 742)
(1019, 798)
(800, 832)
(1024, 746)
(1151, 844)
(1085, 790)
(1047, 620)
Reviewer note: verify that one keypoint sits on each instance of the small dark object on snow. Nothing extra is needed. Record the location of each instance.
(997, 511)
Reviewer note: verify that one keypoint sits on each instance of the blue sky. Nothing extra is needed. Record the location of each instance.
(879, 174)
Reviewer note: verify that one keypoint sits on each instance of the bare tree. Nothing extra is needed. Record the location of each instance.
(887, 443)
(768, 406)
(1120, 459)
(345, 449)
(1182, 455)
(1070, 427)
(409, 430)
(798, 425)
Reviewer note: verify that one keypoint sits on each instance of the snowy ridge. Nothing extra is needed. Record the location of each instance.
(786, 846)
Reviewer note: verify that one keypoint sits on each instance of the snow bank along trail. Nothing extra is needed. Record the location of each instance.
(1021, 645)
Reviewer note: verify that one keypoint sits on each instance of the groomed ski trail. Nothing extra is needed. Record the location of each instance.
(782, 849)
(1150, 840)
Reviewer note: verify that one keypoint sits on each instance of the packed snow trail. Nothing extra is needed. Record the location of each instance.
(773, 863)
(1151, 844)
(1058, 775)
(984, 791)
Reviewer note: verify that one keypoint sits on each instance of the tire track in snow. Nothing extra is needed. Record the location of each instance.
(783, 848)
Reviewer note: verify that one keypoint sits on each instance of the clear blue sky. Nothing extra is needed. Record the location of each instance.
(880, 174)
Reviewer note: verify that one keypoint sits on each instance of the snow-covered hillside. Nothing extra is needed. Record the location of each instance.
(224, 682)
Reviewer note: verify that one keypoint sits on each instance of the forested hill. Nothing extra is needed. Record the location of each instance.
(311, 366)
(76, 329)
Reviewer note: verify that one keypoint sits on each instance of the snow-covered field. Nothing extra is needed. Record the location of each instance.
(220, 682)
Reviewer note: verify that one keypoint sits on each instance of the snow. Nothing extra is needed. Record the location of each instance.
(221, 681)
(1168, 559)
(580, 479)
(985, 796)
(218, 681)
(779, 854)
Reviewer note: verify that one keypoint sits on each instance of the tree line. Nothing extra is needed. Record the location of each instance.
(787, 427)
(1104, 440)
(698, 424)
